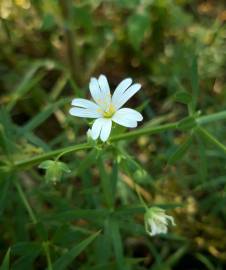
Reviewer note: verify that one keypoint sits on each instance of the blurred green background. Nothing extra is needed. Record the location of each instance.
(49, 51)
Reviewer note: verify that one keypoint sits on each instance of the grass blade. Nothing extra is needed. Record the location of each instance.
(64, 261)
(5, 263)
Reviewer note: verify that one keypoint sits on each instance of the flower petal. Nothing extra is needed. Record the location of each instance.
(130, 114)
(153, 228)
(81, 112)
(95, 90)
(96, 128)
(171, 220)
(106, 130)
(104, 86)
(123, 120)
(121, 100)
(84, 103)
(105, 90)
(101, 127)
(121, 88)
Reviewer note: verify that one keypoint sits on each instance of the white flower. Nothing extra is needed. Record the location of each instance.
(107, 108)
(156, 221)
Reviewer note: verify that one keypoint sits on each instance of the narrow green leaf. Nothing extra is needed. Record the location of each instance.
(202, 165)
(102, 246)
(194, 82)
(5, 183)
(25, 248)
(138, 25)
(3, 139)
(105, 183)
(5, 263)
(43, 115)
(206, 261)
(176, 256)
(66, 259)
(180, 151)
(35, 140)
(26, 85)
(209, 137)
(117, 244)
(183, 97)
(8, 132)
(29, 80)
(114, 179)
(187, 123)
(123, 212)
(26, 261)
(87, 162)
(70, 215)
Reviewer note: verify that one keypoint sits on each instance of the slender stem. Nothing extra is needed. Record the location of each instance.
(34, 220)
(26, 203)
(143, 131)
(37, 159)
(133, 134)
(129, 135)
(141, 199)
(211, 118)
(212, 139)
(47, 253)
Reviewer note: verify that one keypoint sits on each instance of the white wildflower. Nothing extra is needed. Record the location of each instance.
(107, 108)
(156, 221)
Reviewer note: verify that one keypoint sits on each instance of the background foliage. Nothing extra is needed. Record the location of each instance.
(83, 213)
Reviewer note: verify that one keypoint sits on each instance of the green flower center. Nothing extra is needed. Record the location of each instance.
(109, 113)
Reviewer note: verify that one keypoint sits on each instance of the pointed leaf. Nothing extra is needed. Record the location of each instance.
(66, 259)
(183, 97)
(187, 123)
(5, 263)
(180, 151)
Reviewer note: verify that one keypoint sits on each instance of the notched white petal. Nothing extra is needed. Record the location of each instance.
(105, 92)
(95, 90)
(127, 117)
(101, 128)
(130, 114)
(80, 112)
(122, 99)
(106, 130)
(123, 121)
(96, 128)
(120, 89)
(84, 103)
(103, 82)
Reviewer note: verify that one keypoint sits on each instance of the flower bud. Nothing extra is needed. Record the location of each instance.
(54, 170)
(156, 221)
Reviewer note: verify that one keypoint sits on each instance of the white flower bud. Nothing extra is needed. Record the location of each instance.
(156, 221)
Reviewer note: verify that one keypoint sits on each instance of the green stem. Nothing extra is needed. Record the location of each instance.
(141, 199)
(133, 134)
(211, 118)
(34, 220)
(26, 203)
(47, 253)
(212, 139)
(144, 131)
(39, 158)
(129, 135)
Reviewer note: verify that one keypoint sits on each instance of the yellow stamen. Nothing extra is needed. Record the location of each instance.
(109, 112)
